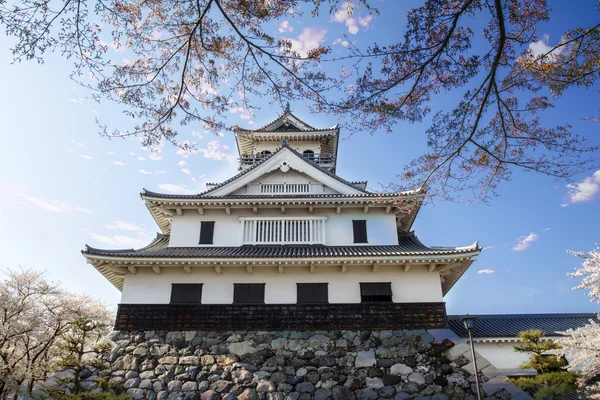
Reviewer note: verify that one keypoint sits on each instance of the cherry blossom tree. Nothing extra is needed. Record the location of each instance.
(34, 314)
(582, 345)
(195, 61)
(478, 50)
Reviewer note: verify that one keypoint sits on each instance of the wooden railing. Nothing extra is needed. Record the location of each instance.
(284, 188)
(319, 158)
(276, 230)
(270, 317)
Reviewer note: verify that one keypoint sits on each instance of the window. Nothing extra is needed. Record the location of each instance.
(248, 293)
(312, 293)
(360, 230)
(186, 293)
(376, 292)
(309, 154)
(263, 154)
(207, 231)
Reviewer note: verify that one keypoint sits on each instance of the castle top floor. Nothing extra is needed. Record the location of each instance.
(317, 145)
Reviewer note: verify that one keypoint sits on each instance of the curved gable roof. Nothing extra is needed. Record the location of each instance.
(285, 122)
(208, 193)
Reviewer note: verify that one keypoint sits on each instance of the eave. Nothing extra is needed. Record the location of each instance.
(450, 267)
(405, 205)
(329, 139)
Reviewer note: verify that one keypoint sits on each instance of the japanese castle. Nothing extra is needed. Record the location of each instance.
(286, 244)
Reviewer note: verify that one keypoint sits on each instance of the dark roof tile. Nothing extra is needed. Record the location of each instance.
(509, 325)
(408, 245)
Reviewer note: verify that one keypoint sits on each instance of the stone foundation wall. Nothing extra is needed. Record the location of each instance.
(321, 365)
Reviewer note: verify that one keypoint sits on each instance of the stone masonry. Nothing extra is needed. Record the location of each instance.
(339, 365)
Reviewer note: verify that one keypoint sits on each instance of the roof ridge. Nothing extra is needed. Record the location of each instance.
(280, 116)
(159, 237)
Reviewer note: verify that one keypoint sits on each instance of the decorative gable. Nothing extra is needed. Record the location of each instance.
(284, 161)
(286, 183)
(288, 123)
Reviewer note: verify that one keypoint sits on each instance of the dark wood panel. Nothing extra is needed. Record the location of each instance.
(266, 317)
(186, 293)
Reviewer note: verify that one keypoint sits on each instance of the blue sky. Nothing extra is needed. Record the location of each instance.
(64, 186)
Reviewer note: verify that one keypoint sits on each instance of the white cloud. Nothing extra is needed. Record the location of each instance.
(309, 39)
(131, 153)
(345, 15)
(547, 229)
(175, 189)
(116, 46)
(125, 226)
(182, 164)
(244, 113)
(160, 172)
(526, 242)
(530, 292)
(365, 21)
(486, 271)
(214, 152)
(541, 46)
(120, 240)
(155, 157)
(143, 171)
(55, 206)
(86, 157)
(77, 143)
(344, 43)
(118, 163)
(186, 171)
(285, 26)
(80, 100)
(586, 190)
(197, 134)
(110, 153)
(187, 149)
(140, 158)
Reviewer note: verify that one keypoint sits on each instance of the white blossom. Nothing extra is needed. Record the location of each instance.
(582, 345)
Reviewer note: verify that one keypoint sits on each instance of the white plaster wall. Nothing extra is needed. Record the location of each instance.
(146, 287)
(381, 227)
(501, 355)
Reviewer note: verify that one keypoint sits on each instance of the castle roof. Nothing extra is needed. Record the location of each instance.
(509, 325)
(287, 122)
(221, 195)
(289, 126)
(408, 250)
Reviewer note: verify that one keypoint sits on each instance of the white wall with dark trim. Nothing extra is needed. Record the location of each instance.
(501, 354)
(417, 285)
(381, 227)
